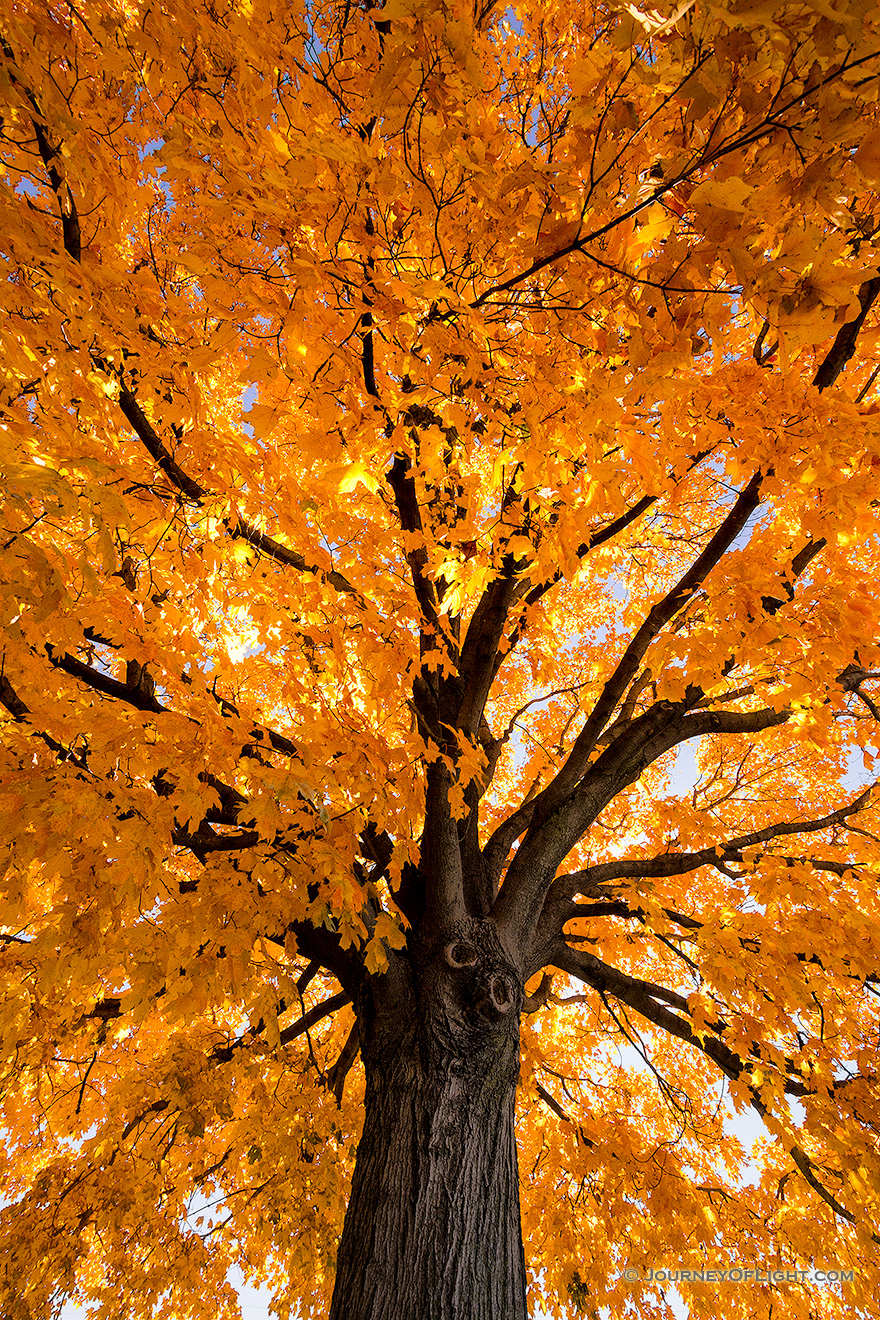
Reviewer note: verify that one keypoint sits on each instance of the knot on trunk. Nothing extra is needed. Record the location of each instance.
(460, 953)
(499, 994)
(471, 991)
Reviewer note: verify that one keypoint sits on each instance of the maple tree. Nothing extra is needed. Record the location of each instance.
(439, 655)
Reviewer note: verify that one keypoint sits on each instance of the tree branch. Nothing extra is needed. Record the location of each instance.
(480, 661)
(480, 656)
(292, 559)
(128, 402)
(132, 694)
(551, 837)
(205, 840)
(565, 887)
(194, 491)
(401, 482)
(638, 742)
(441, 852)
(658, 617)
(557, 1109)
(710, 155)
(608, 533)
(844, 344)
(343, 1065)
(70, 230)
(10, 699)
(154, 445)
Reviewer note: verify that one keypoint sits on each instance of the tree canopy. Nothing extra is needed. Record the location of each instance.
(440, 455)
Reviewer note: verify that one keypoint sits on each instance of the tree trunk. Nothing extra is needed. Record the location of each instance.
(432, 1230)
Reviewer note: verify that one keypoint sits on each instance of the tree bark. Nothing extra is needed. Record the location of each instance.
(432, 1230)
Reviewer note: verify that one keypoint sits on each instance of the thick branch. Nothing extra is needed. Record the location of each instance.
(194, 491)
(49, 155)
(292, 559)
(402, 484)
(609, 531)
(343, 1065)
(558, 1110)
(479, 653)
(324, 946)
(70, 230)
(636, 742)
(128, 402)
(653, 1002)
(441, 852)
(154, 445)
(10, 699)
(565, 887)
(550, 838)
(206, 840)
(658, 617)
(141, 699)
(844, 344)
(138, 696)
(313, 1016)
(801, 561)
(232, 811)
(223, 1053)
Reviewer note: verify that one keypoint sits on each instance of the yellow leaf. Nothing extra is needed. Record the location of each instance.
(357, 474)
(726, 194)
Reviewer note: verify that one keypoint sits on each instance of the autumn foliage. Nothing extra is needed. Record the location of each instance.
(440, 452)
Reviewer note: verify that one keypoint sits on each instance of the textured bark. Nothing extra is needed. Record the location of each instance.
(433, 1228)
